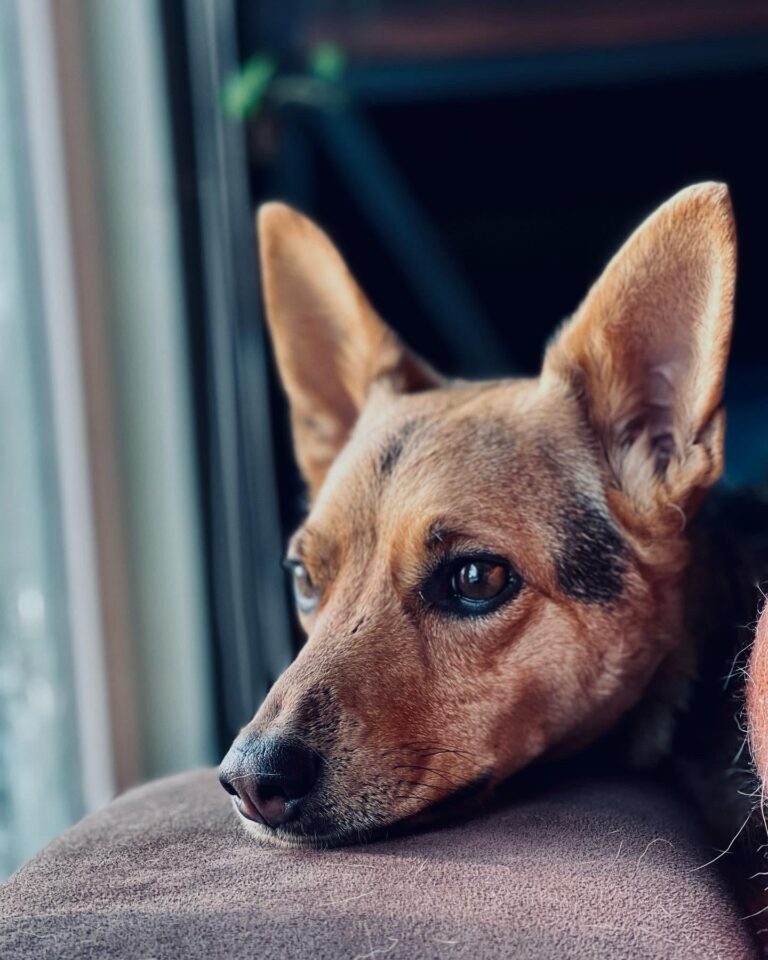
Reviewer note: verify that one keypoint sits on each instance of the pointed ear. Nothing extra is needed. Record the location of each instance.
(647, 349)
(331, 347)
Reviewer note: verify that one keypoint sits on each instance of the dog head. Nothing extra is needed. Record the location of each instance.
(489, 572)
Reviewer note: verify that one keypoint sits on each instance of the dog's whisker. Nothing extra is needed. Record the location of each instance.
(437, 773)
(420, 783)
(309, 746)
(435, 749)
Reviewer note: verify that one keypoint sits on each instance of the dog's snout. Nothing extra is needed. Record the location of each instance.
(269, 777)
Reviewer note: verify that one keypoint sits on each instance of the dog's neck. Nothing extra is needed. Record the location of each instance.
(722, 598)
(723, 594)
(695, 697)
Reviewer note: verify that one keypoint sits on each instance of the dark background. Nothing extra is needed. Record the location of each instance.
(477, 164)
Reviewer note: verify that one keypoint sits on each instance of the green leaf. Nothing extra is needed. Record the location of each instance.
(244, 91)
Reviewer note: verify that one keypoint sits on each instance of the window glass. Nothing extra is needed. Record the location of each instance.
(39, 771)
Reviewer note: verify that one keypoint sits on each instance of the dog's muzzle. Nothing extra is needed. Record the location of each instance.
(269, 777)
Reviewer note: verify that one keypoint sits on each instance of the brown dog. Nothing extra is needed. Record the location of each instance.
(492, 573)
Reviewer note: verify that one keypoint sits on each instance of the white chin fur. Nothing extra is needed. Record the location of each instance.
(260, 832)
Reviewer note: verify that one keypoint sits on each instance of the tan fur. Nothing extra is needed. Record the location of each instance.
(415, 705)
(652, 338)
(329, 342)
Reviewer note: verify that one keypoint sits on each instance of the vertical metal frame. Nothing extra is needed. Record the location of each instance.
(252, 618)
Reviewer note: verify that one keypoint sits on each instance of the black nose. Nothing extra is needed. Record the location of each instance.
(269, 776)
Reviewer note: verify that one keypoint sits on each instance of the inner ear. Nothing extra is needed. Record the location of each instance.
(649, 414)
(330, 345)
(647, 349)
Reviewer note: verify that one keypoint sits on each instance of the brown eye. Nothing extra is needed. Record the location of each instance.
(305, 592)
(480, 580)
(471, 586)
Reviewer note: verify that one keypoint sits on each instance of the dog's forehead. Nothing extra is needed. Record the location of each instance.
(510, 467)
(467, 449)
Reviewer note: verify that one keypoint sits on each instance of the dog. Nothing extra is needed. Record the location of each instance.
(496, 573)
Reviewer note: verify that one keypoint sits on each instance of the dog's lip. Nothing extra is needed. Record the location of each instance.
(307, 834)
(287, 835)
(302, 834)
(248, 811)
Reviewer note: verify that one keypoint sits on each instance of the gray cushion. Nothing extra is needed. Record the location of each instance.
(593, 869)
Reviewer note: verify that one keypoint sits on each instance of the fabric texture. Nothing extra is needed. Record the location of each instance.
(599, 868)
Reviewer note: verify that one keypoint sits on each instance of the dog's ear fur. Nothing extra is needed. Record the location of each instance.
(647, 349)
(331, 346)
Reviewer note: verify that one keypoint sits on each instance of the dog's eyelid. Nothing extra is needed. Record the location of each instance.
(445, 539)
(466, 546)
(307, 594)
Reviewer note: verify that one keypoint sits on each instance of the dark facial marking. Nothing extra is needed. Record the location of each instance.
(394, 448)
(591, 566)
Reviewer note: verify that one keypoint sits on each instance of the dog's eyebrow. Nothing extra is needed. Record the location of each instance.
(296, 546)
(592, 563)
(307, 541)
(316, 556)
(441, 532)
(393, 448)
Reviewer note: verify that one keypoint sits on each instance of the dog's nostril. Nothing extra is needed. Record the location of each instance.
(270, 776)
(292, 768)
(227, 786)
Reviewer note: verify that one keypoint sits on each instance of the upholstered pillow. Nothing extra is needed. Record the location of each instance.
(601, 868)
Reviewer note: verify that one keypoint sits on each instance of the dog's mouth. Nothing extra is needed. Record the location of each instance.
(313, 831)
(362, 825)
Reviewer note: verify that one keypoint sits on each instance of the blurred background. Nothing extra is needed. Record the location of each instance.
(477, 162)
